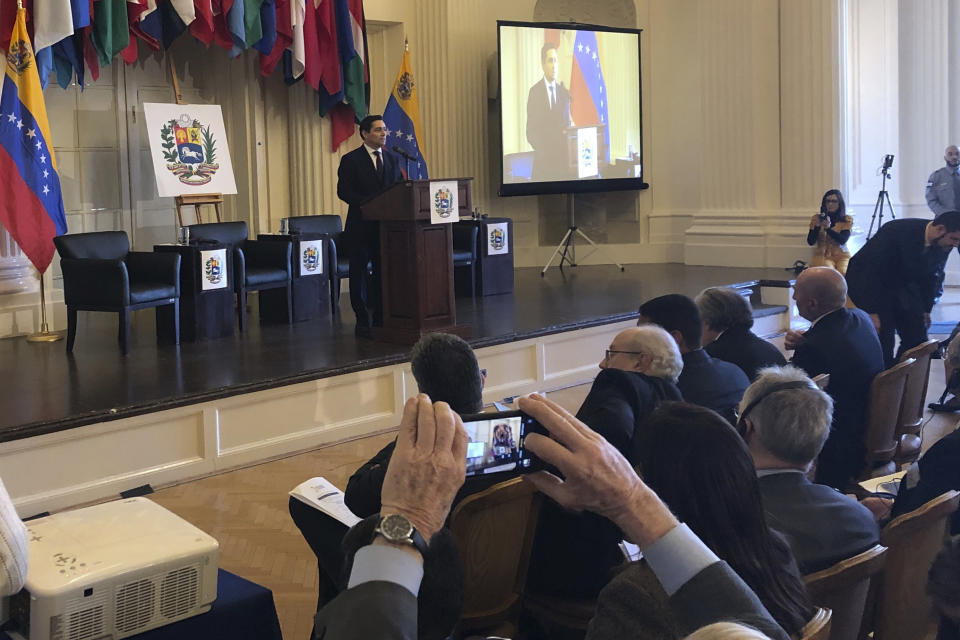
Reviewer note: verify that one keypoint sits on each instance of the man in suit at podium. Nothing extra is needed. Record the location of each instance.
(548, 114)
(364, 172)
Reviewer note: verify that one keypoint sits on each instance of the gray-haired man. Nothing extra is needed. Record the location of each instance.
(785, 420)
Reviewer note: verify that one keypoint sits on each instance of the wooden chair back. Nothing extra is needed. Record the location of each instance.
(843, 588)
(913, 540)
(883, 415)
(822, 381)
(494, 531)
(819, 626)
(915, 393)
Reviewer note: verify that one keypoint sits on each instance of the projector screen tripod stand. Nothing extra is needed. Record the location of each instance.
(567, 249)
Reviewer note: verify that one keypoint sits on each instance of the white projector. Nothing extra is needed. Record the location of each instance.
(113, 570)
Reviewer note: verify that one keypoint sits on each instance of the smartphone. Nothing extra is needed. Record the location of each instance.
(496, 443)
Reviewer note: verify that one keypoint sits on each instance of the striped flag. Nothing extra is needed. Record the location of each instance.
(588, 89)
(32, 206)
(402, 117)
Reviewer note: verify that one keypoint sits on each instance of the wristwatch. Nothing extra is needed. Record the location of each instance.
(397, 529)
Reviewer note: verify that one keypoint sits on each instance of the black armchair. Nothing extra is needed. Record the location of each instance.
(100, 273)
(256, 265)
(465, 237)
(338, 257)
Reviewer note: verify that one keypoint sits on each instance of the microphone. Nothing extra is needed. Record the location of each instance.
(403, 153)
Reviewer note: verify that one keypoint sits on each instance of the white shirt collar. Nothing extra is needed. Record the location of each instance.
(371, 151)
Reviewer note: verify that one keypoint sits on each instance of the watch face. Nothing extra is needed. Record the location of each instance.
(396, 527)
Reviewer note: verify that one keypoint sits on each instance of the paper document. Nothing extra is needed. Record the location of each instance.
(320, 494)
(884, 484)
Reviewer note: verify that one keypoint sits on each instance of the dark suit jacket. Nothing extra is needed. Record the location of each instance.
(618, 403)
(822, 525)
(387, 611)
(741, 347)
(844, 344)
(357, 181)
(381, 610)
(937, 472)
(712, 383)
(895, 270)
(545, 131)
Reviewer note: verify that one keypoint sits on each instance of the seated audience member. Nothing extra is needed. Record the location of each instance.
(727, 631)
(951, 373)
(425, 473)
(785, 419)
(698, 465)
(445, 369)
(935, 473)
(943, 587)
(705, 381)
(13, 547)
(636, 374)
(727, 319)
(843, 343)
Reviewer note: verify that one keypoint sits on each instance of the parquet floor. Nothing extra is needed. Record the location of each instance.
(246, 511)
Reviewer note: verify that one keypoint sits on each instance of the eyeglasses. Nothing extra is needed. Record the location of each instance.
(609, 352)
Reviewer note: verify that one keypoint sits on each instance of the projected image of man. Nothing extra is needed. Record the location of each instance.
(548, 114)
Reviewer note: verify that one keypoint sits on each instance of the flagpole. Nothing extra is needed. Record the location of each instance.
(44, 335)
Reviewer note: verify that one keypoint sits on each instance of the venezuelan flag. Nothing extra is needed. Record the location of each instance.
(32, 206)
(402, 117)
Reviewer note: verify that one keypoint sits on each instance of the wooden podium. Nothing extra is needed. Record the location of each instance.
(416, 262)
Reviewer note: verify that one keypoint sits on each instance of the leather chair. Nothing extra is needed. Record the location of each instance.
(338, 256)
(100, 273)
(883, 416)
(819, 626)
(914, 402)
(494, 532)
(844, 589)
(913, 540)
(465, 250)
(256, 265)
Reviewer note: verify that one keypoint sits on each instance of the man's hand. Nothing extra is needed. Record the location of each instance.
(793, 339)
(596, 476)
(926, 320)
(875, 318)
(428, 465)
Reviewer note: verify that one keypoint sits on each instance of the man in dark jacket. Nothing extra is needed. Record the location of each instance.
(363, 173)
(727, 319)
(708, 382)
(445, 369)
(843, 343)
(785, 420)
(637, 373)
(898, 276)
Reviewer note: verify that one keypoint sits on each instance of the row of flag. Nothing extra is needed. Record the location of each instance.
(322, 42)
(326, 45)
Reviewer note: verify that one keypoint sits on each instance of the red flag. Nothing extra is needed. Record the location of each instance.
(202, 27)
(322, 64)
(341, 124)
(221, 30)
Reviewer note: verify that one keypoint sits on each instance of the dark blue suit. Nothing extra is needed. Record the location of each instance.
(712, 383)
(822, 525)
(357, 182)
(739, 346)
(844, 344)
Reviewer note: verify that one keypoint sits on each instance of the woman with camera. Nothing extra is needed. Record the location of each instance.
(829, 232)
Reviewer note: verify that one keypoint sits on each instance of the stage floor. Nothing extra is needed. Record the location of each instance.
(46, 390)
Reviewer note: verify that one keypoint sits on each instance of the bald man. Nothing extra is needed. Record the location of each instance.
(943, 187)
(574, 553)
(842, 342)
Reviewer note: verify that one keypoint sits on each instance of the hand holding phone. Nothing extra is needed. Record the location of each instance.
(496, 443)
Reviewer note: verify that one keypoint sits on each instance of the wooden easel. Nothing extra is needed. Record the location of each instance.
(197, 200)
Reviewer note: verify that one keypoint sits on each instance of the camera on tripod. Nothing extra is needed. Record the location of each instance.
(887, 164)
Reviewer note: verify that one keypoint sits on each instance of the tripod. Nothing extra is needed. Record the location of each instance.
(882, 197)
(567, 249)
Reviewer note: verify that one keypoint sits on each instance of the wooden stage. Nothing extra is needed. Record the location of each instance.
(107, 422)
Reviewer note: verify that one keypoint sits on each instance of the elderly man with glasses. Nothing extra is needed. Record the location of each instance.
(639, 370)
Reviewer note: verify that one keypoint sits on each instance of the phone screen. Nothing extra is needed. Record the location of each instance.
(496, 441)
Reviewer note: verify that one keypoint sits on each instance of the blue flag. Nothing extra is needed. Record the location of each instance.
(402, 117)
